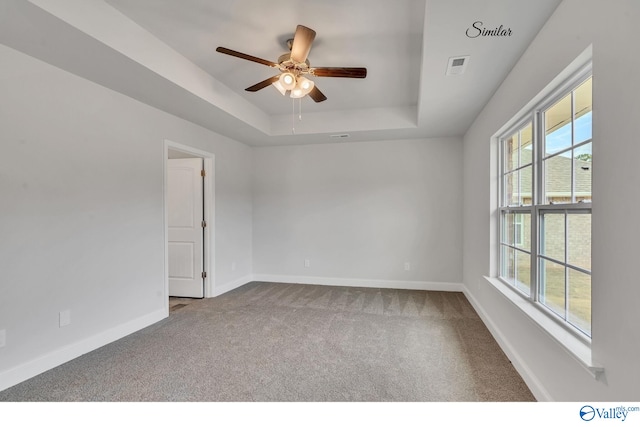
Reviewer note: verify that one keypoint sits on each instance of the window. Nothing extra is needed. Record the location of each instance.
(546, 164)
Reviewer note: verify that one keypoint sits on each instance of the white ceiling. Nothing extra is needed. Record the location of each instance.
(345, 37)
(162, 52)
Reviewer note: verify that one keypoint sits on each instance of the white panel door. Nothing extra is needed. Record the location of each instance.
(185, 214)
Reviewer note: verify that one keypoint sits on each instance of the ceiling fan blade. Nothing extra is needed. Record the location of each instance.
(355, 73)
(256, 87)
(316, 95)
(302, 43)
(245, 56)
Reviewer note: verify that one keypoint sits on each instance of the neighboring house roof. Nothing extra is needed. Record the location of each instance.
(558, 176)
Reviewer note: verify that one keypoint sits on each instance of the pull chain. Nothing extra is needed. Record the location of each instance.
(293, 113)
(293, 116)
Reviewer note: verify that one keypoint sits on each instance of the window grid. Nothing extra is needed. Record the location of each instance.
(541, 204)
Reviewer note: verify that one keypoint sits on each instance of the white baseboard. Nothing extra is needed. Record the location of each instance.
(361, 283)
(229, 286)
(57, 357)
(539, 391)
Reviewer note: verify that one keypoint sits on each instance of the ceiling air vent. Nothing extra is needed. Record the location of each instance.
(457, 65)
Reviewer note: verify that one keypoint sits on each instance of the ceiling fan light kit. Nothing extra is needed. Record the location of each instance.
(287, 81)
(279, 86)
(302, 87)
(294, 67)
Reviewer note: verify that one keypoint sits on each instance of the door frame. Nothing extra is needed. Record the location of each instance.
(209, 210)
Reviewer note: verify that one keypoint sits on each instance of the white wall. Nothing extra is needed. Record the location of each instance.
(81, 212)
(359, 211)
(81, 225)
(612, 29)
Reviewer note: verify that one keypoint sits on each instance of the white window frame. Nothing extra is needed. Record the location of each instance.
(537, 208)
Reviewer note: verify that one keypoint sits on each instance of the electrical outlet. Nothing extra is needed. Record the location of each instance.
(407, 266)
(65, 318)
(307, 263)
(3, 338)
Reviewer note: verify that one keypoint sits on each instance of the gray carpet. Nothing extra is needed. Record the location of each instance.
(281, 342)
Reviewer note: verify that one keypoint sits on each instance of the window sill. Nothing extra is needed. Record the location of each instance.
(577, 348)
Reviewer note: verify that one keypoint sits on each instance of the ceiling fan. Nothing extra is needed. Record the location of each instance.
(294, 67)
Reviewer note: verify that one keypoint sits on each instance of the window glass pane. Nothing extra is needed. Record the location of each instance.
(583, 106)
(557, 126)
(526, 147)
(507, 229)
(508, 264)
(580, 300)
(511, 153)
(511, 191)
(517, 187)
(552, 244)
(526, 176)
(518, 149)
(579, 245)
(583, 160)
(522, 231)
(523, 272)
(557, 179)
(552, 287)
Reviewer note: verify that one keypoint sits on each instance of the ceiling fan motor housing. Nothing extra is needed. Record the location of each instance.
(287, 64)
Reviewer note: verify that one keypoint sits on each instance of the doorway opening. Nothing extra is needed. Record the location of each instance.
(188, 195)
